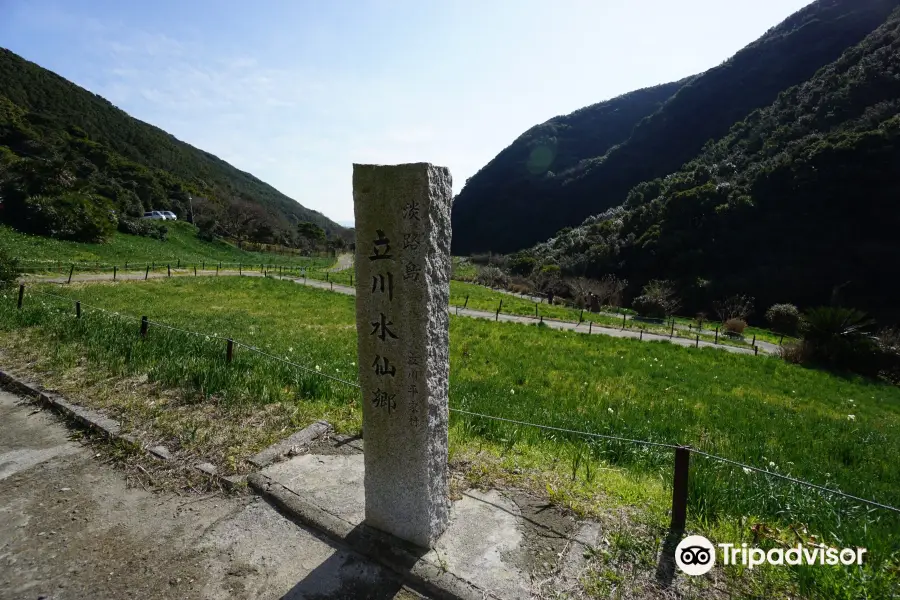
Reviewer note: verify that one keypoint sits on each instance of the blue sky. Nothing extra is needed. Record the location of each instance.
(296, 91)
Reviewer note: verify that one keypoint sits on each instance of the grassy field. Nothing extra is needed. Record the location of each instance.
(478, 297)
(182, 244)
(835, 431)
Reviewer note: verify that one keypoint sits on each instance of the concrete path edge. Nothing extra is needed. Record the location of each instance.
(91, 420)
(400, 557)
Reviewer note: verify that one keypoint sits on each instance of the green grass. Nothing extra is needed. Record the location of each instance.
(182, 245)
(843, 432)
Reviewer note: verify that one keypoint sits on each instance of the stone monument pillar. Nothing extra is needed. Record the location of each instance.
(402, 321)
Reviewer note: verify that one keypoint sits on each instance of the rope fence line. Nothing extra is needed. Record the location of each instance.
(681, 451)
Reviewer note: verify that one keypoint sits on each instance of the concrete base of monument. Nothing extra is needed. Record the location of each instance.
(501, 545)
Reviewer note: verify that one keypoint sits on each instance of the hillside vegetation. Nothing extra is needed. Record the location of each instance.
(181, 244)
(72, 165)
(796, 203)
(507, 207)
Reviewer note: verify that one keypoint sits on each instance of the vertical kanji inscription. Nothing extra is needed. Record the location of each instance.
(402, 315)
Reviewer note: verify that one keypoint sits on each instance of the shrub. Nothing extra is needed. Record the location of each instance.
(735, 326)
(491, 276)
(519, 264)
(9, 269)
(657, 300)
(784, 318)
(143, 227)
(795, 353)
(69, 216)
(836, 337)
(889, 353)
(734, 307)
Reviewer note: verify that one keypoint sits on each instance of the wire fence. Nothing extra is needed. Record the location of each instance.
(682, 451)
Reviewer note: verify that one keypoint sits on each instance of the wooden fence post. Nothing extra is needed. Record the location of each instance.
(195, 270)
(21, 294)
(680, 488)
(77, 309)
(641, 337)
(115, 270)
(581, 317)
(590, 327)
(71, 270)
(147, 273)
(755, 350)
(144, 325)
(672, 332)
(753, 343)
(240, 269)
(717, 335)
(697, 345)
(229, 351)
(169, 267)
(623, 321)
(466, 303)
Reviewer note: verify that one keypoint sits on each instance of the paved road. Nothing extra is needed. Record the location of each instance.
(478, 314)
(70, 528)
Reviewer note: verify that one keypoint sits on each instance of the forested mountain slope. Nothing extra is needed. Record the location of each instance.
(52, 129)
(500, 213)
(797, 203)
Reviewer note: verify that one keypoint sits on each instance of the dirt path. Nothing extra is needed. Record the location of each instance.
(70, 528)
(477, 314)
(344, 261)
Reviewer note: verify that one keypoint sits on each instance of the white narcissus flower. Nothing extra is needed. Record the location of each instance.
(851, 417)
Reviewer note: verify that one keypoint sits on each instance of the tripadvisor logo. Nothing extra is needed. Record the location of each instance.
(696, 555)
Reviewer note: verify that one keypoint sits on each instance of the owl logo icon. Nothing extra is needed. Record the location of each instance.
(695, 555)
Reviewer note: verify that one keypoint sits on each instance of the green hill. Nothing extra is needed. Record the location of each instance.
(67, 149)
(182, 244)
(797, 203)
(510, 204)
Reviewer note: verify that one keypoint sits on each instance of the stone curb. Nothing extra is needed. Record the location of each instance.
(279, 450)
(404, 559)
(90, 420)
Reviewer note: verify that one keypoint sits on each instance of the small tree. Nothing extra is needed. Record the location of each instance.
(734, 307)
(784, 318)
(582, 289)
(609, 290)
(310, 231)
(491, 276)
(657, 300)
(546, 280)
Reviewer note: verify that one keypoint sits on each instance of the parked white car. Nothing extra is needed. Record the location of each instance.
(169, 215)
(156, 215)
